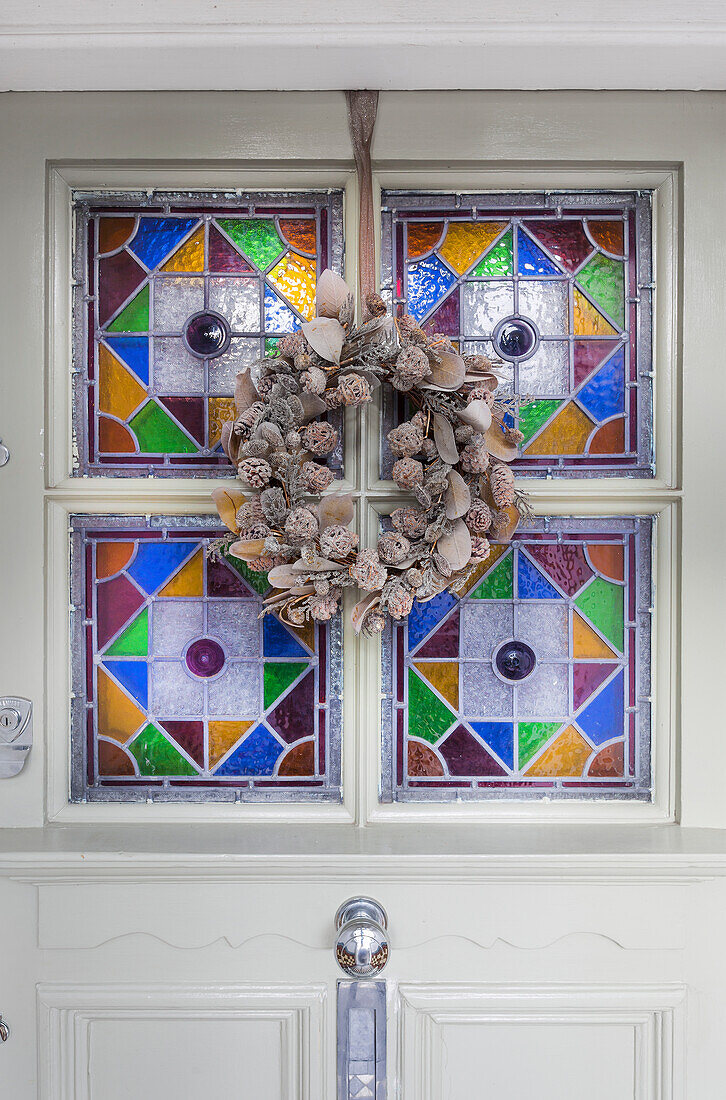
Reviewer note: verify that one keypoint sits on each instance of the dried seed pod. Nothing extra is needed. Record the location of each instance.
(337, 541)
(255, 471)
(261, 565)
(414, 577)
(513, 435)
(254, 448)
(374, 622)
(368, 572)
(354, 389)
(291, 344)
(409, 331)
(410, 521)
(315, 478)
(314, 380)
(250, 417)
(375, 305)
(301, 524)
(412, 366)
(323, 608)
(295, 614)
(254, 531)
(292, 441)
(393, 548)
(405, 440)
(464, 433)
(429, 450)
(303, 361)
(320, 437)
(274, 506)
(475, 456)
(407, 472)
(399, 600)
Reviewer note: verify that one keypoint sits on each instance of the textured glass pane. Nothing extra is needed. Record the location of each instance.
(182, 692)
(536, 682)
(577, 267)
(146, 400)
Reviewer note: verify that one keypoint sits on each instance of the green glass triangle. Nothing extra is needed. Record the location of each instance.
(499, 582)
(532, 736)
(499, 260)
(535, 414)
(278, 677)
(428, 717)
(157, 756)
(604, 281)
(134, 642)
(158, 434)
(271, 343)
(258, 581)
(257, 238)
(602, 603)
(135, 316)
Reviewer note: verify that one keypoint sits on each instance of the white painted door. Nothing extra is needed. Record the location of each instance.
(539, 948)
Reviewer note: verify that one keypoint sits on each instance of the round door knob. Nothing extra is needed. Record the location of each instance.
(361, 946)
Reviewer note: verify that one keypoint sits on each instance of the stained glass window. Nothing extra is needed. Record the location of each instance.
(557, 286)
(182, 692)
(536, 681)
(175, 295)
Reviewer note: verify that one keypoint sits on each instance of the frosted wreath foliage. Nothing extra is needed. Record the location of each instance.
(451, 456)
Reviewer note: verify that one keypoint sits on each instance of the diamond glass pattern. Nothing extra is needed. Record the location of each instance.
(182, 692)
(577, 267)
(149, 396)
(576, 595)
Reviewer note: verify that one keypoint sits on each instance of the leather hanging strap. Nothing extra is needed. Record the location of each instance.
(362, 110)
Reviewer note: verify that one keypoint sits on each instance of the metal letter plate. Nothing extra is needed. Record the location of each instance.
(16, 734)
(361, 1040)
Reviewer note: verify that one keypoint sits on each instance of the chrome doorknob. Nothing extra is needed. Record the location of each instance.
(361, 946)
(4, 1031)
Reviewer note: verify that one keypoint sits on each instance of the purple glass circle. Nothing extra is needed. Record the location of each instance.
(515, 338)
(205, 657)
(515, 660)
(207, 334)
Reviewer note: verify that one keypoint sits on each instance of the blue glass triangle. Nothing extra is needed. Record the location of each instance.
(157, 237)
(257, 755)
(531, 260)
(156, 561)
(604, 394)
(134, 350)
(604, 718)
(499, 736)
(278, 316)
(425, 616)
(278, 641)
(533, 585)
(428, 282)
(133, 675)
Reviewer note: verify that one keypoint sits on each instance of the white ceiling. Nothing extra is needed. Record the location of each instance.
(289, 44)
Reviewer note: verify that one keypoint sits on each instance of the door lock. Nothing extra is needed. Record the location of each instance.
(16, 734)
(4, 1031)
(4, 454)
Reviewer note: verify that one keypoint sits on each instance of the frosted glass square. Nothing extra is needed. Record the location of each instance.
(237, 299)
(547, 373)
(545, 693)
(483, 694)
(243, 352)
(175, 623)
(235, 623)
(176, 298)
(545, 627)
(547, 304)
(236, 693)
(484, 305)
(484, 626)
(176, 371)
(173, 692)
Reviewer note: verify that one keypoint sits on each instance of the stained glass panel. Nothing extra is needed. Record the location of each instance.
(174, 295)
(535, 683)
(182, 692)
(577, 269)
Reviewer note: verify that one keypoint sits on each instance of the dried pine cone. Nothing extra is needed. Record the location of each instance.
(407, 472)
(399, 601)
(501, 483)
(322, 588)
(414, 577)
(368, 572)
(255, 471)
(320, 437)
(464, 433)
(323, 608)
(475, 457)
(479, 517)
(254, 531)
(429, 450)
(292, 441)
(409, 331)
(374, 622)
(261, 565)
(314, 380)
(314, 478)
(337, 541)
(250, 512)
(405, 440)
(274, 506)
(478, 362)
(295, 614)
(250, 417)
(410, 521)
(353, 389)
(301, 524)
(375, 305)
(393, 548)
(291, 344)
(419, 418)
(412, 366)
(254, 448)
(303, 360)
(265, 385)
(479, 548)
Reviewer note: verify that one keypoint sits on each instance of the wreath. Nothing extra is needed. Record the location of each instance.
(452, 455)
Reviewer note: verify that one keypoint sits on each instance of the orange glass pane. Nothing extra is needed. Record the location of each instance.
(112, 557)
(118, 717)
(567, 434)
(113, 760)
(610, 439)
(586, 643)
(115, 438)
(189, 581)
(566, 756)
(422, 237)
(466, 241)
(114, 232)
(444, 676)
(190, 255)
(299, 233)
(609, 236)
(608, 559)
(118, 393)
(222, 735)
(221, 409)
(294, 277)
(299, 760)
(588, 320)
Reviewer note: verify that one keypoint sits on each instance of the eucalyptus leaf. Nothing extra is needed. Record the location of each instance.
(326, 336)
(477, 414)
(245, 393)
(336, 508)
(456, 546)
(312, 405)
(449, 372)
(444, 440)
(334, 298)
(283, 576)
(359, 612)
(497, 445)
(457, 499)
(248, 549)
(228, 502)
